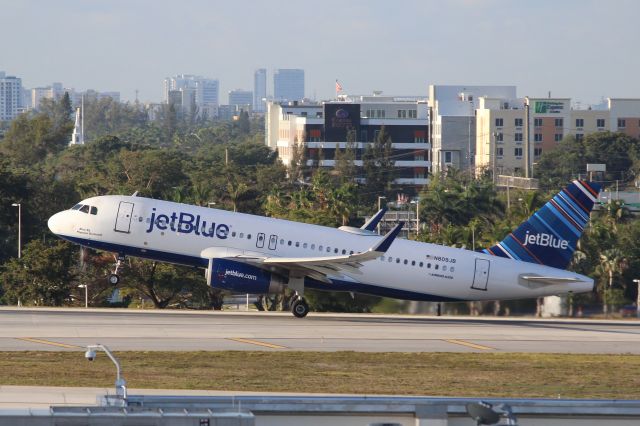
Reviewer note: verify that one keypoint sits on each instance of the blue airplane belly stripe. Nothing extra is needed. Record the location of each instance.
(195, 261)
(162, 256)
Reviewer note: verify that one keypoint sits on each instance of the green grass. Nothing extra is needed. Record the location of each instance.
(438, 374)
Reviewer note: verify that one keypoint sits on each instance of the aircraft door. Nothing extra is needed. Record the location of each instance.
(481, 275)
(260, 240)
(273, 242)
(123, 220)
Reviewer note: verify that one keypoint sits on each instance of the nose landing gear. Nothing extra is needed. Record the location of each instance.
(114, 278)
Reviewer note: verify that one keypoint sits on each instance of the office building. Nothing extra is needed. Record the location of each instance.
(10, 97)
(454, 124)
(259, 90)
(201, 95)
(321, 128)
(288, 85)
(241, 98)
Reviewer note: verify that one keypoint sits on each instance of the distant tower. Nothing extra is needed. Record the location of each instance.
(288, 84)
(77, 138)
(259, 89)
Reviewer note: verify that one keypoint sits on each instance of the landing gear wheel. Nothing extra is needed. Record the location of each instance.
(300, 308)
(114, 279)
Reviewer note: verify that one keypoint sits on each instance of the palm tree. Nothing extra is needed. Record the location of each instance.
(612, 264)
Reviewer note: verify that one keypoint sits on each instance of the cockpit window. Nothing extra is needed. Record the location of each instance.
(85, 209)
(76, 207)
(94, 210)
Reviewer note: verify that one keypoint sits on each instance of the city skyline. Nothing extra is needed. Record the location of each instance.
(570, 48)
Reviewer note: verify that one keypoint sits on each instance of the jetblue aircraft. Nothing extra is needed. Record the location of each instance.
(252, 254)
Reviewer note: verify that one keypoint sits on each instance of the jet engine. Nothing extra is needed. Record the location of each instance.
(239, 277)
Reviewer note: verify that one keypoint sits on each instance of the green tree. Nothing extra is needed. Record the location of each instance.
(612, 263)
(45, 275)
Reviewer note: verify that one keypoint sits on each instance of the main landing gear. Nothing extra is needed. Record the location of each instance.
(114, 278)
(299, 307)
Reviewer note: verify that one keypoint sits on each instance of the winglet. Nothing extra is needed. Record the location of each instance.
(375, 219)
(384, 245)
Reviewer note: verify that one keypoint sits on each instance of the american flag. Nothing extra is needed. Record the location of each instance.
(338, 87)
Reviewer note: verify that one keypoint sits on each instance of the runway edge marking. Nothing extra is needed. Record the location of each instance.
(469, 344)
(48, 342)
(256, 342)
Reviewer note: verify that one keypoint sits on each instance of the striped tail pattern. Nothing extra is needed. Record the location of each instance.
(550, 235)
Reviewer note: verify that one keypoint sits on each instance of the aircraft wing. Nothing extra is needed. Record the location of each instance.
(317, 267)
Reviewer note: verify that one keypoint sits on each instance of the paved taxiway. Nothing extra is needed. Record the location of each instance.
(71, 329)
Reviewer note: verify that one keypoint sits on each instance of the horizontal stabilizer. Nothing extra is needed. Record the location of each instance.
(550, 280)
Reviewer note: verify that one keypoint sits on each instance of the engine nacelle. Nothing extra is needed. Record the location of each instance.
(240, 277)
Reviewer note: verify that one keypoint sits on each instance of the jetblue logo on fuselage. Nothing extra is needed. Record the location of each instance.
(187, 223)
(545, 240)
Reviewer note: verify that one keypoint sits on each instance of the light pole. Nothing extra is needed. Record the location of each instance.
(19, 206)
(417, 203)
(380, 197)
(637, 281)
(86, 294)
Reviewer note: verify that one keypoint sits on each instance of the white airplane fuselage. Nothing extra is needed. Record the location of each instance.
(185, 234)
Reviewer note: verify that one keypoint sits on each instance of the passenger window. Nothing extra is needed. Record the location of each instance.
(76, 207)
(289, 242)
(281, 242)
(320, 248)
(406, 261)
(413, 263)
(451, 269)
(382, 258)
(313, 246)
(335, 251)
(304, 245)
(297, 244)
(344, 251)
(421, 264)
(140, 219)
(429, 265)
(233, 234)
(444, 267)
(85, 209)
(242, 235)
(248, 236)
(436, 266)
(94, 210)
(328, 249)
(390, 259)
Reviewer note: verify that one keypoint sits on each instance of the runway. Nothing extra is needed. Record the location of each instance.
(35, 329)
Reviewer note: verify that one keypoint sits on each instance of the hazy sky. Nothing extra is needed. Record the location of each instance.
(574, 48)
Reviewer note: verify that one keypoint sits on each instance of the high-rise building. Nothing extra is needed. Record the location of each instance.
(10, 96)
(259, 90)
(204, 91)
(288, 85)
(241, 98)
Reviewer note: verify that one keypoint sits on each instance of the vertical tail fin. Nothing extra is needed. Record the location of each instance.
(550, 235)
